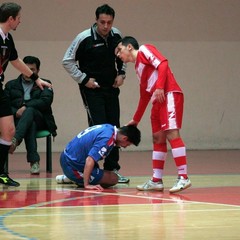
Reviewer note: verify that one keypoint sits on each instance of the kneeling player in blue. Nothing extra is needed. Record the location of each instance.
(79, 160)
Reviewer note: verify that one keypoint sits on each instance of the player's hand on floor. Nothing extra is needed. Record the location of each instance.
(94, 187)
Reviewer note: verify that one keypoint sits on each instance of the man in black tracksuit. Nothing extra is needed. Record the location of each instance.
(91, 62)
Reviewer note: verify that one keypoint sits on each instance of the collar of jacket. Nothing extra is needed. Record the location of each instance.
(95, 34)
(25, 81)
(20, 79)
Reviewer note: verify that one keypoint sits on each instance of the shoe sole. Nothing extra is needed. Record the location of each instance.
(124, 181)
(179, 190)
(151, 189)
(62, 182)
(65, 183)
(7, 185)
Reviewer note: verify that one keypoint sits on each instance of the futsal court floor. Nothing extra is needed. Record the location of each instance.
(42, 209)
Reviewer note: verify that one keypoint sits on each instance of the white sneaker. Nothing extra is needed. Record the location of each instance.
(62, 179)
(150, 185)
(181, 184)
(35, 168)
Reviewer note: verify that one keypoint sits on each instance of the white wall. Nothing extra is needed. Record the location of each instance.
(201, 39)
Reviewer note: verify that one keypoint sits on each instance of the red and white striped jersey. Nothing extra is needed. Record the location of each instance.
(154, 73)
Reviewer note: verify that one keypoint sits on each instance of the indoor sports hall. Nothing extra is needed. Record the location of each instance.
(201, 40)
(42, 209)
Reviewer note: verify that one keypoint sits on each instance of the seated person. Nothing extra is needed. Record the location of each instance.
(32, 111)
(79, 160)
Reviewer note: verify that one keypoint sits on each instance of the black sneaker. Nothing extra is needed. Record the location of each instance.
(6, 180)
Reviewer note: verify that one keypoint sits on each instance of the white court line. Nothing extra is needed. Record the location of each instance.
(76, 213)
(42, 204)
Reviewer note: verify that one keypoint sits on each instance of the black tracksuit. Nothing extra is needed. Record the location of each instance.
(96, 58)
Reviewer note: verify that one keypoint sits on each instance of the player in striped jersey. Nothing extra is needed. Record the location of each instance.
(158, 85)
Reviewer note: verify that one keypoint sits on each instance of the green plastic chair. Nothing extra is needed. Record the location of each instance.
(47, 134)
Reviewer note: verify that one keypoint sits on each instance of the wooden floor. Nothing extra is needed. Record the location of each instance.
(42, 209)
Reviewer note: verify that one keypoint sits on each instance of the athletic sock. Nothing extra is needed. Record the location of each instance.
(159, 156)
(179, 155)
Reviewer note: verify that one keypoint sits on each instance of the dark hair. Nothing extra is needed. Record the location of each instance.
(132, 132)
(129, 40)
(105, 9)
(32, 60)
(9, 9)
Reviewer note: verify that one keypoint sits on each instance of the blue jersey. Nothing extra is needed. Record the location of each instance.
(96, 141)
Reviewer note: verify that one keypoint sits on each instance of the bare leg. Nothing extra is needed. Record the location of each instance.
(7, 128)
(109, 179)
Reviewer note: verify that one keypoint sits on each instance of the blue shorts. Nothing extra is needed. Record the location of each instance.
(76, 175)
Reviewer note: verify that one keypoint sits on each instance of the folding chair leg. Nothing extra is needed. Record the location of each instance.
(49, 154)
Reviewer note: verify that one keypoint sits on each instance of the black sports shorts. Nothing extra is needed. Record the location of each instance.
(5, 107)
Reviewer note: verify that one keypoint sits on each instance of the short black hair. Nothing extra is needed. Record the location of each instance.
(9, 9)
(105, 9)
(32, 60)
(129, 40)
(132, 132)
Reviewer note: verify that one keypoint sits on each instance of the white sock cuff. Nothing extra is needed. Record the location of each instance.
(5, 142)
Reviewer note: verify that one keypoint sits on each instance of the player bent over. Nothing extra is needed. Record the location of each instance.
(79, 160)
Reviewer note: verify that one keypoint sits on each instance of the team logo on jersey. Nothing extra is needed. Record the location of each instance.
(102, 151)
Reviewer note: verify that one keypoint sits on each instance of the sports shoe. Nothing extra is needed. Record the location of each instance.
(62, 179)
(150, 185)
(35, 168)
(180, 184)
(13, 146)
(6, 180)
(121, 179)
